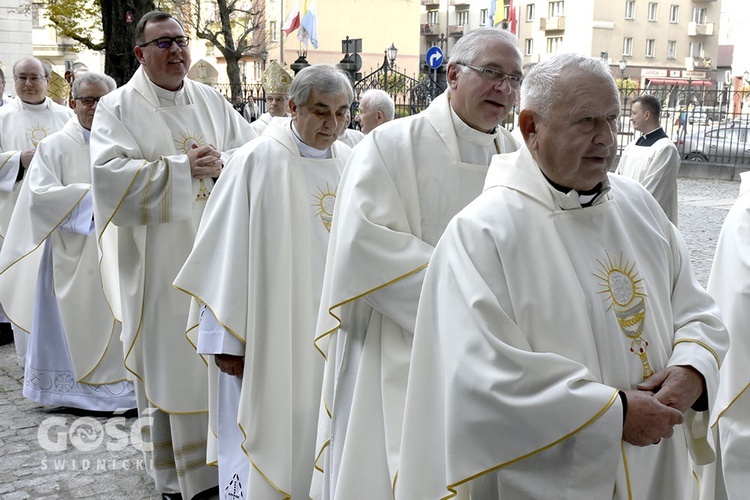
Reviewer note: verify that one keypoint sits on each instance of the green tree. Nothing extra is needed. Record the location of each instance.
(102, 25)
(236, 28)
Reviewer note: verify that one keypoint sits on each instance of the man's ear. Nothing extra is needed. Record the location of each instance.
(452, 75)
(292, 107)
(528, 123)
(139, 54)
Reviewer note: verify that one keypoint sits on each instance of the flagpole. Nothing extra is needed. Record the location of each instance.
(281, 36)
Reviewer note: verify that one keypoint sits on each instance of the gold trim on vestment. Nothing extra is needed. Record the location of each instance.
(731, 403)
(452, 487)
(19, 259)
(627, 470)
(702, 344)
(286, 495)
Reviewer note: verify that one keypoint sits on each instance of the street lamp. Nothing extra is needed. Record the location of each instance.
(264, 57)
(392, 53)
(623, 65)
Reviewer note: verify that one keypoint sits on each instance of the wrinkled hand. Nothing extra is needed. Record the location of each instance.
(675, 386)
(26, 157)
(205, 161)
(230, 364)
(648, 420)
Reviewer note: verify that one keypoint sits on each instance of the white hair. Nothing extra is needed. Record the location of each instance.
(379, 100)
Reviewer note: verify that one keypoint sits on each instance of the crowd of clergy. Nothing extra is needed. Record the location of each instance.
(427, 308)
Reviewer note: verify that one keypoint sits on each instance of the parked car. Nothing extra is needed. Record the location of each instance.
(721, 144)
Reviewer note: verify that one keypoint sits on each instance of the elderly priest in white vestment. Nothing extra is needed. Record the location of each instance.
(74, 357)
(276, 82)
(403, 183)
(156, 145)
(563, 346)
(730, 419)
(24, 121)
(257, 270)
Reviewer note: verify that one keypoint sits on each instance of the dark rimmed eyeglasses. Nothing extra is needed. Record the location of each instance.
(496, 76)
(165, 42)
(87, 101)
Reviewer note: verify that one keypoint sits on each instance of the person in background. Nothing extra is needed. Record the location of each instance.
(157, 143)
(403, 183)
(276, 83)
(347, 135)
(375, 108)
(593, 382)
(24, 121)
(652, 159)
(74, 357)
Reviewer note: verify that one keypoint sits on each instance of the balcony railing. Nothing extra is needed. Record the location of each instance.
(698, 62)
(552, 23)
(431, 2)
(695, 29)
(429, 29)
(456, 30)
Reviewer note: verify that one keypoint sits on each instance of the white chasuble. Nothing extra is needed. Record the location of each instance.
(655, 167)
(54, 206)
(144, 191)
(22, 126)
(729, 284)
(534, 312)
(402, 184)
(257, 264)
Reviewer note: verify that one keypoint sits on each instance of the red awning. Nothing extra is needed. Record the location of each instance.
(680, 81)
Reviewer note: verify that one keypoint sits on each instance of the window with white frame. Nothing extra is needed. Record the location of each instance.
(483, 17)
(529, 46)
(462, 17)
(674, 13)
(554, 44)
(696, 49)
(556, 9)
(699, 15)
(433, 17)
(672, 49)
(274, 32)
(650, 44)
(629, 9)
(530, 12)
(627, 46)
(36, 14)
(652, 11)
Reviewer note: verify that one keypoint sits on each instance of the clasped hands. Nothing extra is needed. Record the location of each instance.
(659, 403)
(205, 161)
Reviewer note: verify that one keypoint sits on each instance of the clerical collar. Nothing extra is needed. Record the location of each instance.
(651, 138)
(471, 134)
(586, 197)
(170, 97)
(34, 107)
(86, 134)
(309, 151)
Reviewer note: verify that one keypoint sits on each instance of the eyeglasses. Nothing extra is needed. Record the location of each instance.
(88, 101)
(165, 42)
(32, 78)
(496, 76)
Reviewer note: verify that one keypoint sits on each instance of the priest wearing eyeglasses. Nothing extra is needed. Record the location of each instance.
(24, 121)
(403, 183)
(157, 143)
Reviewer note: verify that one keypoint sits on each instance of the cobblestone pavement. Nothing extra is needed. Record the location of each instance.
(30, 467)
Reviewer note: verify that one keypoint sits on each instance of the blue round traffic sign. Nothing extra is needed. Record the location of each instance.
(434, 57)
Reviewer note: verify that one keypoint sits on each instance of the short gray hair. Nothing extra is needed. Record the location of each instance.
(89, 77)
(543, 86)
(472, 44)
(324, 78)
(379, 100)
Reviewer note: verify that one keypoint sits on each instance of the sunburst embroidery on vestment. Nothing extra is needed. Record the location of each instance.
(36, 133)
(620, 281)
(187, 141)
(325, 199)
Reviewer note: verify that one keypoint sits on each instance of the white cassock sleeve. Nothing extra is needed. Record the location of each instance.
(9, 173)
(81, 219)
(214, 338)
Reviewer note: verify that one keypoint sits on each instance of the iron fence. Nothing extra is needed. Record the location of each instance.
(706, 124)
